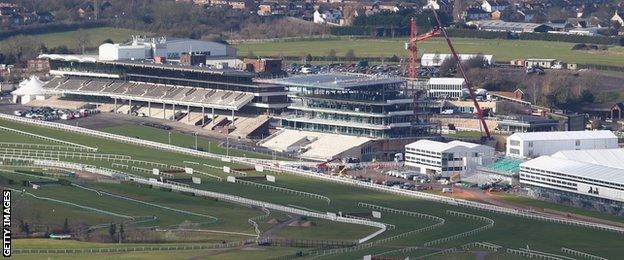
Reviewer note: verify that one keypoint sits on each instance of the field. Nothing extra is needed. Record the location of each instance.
(95, 35)
(175, 209)
(503, 50)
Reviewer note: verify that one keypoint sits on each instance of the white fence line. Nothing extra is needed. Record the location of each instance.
(205, 193)
(581, 254)
(54, 140)
(490, 224)
(285, 190)
(362, 184)
(66, 154)
(43, 146)
(537, 254)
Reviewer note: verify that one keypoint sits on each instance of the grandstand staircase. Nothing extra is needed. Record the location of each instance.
(192, 118)
(245, 126)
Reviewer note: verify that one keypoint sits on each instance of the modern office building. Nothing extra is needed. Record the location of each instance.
(446, 88)
(530, 145)
(525, 123)
(594, 173)
(357, 105)
(447, 159)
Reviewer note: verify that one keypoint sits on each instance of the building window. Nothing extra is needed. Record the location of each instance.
(578, 142)
(514, 151)
(514, 143)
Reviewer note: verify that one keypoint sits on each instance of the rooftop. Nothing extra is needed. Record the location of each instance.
(577, 168)
(436, 146)
(447, 81)
(566, 135)
(606, 157)
(336, 81)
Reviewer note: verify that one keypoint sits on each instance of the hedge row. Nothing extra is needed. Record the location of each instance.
(50, 28)
(471, 33)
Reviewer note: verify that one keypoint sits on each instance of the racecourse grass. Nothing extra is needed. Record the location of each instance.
(503, 50)
(508, 231)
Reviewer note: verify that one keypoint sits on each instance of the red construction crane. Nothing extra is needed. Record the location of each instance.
(412, 47)
(469, 85)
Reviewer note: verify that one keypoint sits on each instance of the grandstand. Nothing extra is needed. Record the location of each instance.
(147, 92)
(316, 146)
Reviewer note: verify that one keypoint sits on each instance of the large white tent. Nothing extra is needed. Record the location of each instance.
(29, 90)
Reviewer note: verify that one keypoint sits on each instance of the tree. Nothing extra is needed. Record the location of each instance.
(66, 226)
(587, 96)
(121, 232)
(350, 55)
(331, 56)
(394, 58)
(476, 62)
(82, 40)
(251, 55)
(308, 58)
(112, 230)
(108, 40)
(448, 67)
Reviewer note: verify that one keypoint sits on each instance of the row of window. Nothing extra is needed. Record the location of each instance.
(530, 176)
(588, 181)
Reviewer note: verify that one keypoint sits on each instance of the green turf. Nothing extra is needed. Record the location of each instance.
(95, 35)
(539, 204)
(503, 50)
(179, 139)
(508, 231)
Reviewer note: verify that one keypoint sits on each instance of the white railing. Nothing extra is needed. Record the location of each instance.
(204, 193)
(284, 190)
(362, 184)
(581, 254)
(54, 140)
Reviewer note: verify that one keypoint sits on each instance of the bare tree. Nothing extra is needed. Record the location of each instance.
(82, 40)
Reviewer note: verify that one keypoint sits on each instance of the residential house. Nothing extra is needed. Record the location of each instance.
(618, 17)
(494, 5)
(332, 17)
(473, 14)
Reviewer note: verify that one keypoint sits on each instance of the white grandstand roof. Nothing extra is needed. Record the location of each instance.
(564, 135)
(606, 157)
(436, 146)
(443, 56)
(447, 81)
(575, 168)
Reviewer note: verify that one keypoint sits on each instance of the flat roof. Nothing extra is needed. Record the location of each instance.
(336, 81)
(564, 135)
(436, 146)
(576, 168)
(177, 66)
(607, 157)
(447, 81)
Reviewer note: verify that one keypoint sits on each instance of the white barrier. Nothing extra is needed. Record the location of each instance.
(225, 197)
(414, 194)
(54, 140)
(284, 190)
(581, 254)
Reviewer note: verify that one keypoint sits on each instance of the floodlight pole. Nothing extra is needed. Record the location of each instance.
(169, 137)
(195, 140)
(227, 146)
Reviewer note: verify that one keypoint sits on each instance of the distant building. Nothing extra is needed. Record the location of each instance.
(605, 111)
(524, 124)
(474, 13)
(446, 87)
(447, 159)
(514, 27)
(618, 17)
(173, 48)
(332, 17)
(436, 59)
(494, 6)
(593, 173)
(530, 145)
(542, 63)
